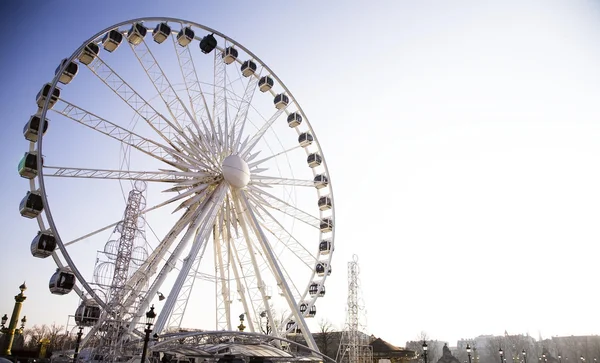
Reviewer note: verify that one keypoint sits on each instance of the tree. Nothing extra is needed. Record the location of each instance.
(326, 339)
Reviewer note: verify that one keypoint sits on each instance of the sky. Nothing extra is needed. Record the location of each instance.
(461, 139)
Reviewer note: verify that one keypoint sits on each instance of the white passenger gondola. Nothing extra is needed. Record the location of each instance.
(305, 139)
(281, 101)
(28, 165)
(43, 244)
(326, 225)
(185, 36)
(303, 307)
(87, 313)
(312, 311)
(324, 202)
(323, 268)
(294, 119)
(136, 34)
(248, 68)
(111, 40)
(229, 55)
(321, 181)
(161, 32)
(31, 206)
(62, 282)
(32, 128)
(68, 73)
(265, 83)
(292, 327)
(316, 288)
(89, 53)
(43, 94)
(314, 160)
(208, 44)
(325, 247)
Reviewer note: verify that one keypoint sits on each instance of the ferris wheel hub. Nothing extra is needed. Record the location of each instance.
(236, 171)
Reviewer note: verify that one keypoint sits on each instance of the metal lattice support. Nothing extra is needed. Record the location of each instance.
(354, 345)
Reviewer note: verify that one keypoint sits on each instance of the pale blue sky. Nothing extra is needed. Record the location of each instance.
(462, 138)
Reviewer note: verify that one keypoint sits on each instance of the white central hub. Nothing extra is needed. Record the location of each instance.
(236, 171)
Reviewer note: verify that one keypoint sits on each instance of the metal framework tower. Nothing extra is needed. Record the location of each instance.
(354, 344)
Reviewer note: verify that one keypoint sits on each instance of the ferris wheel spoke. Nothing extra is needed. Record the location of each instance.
(126, 137)
(273, 202)
(179, 112)
(147, 176)
(246, 251)
(220, 100)
(198, 104)
(246, 148)
(202, 224)
(269, 181)
(258, 162)
(283, 236)
(237, 127)
(277, 272)
(160, 124)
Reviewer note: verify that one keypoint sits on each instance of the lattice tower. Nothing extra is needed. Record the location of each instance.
(354, 344)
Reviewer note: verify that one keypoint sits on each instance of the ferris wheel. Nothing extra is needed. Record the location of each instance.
(178, 171)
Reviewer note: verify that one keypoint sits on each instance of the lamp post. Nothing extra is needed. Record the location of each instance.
(425, 351)
(10, 331)
(241, 327)
(501, 355)
(79, 334)
(524, 356)
(559, 358)
(150, 315)
(469, 352)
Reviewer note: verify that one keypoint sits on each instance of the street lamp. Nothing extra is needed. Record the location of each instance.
(469, 352)
(544, 357)
(79, 334)
(501, 355)
(263, 314)
(524, 356)
(425, 351)
(10, 331)
(150, 315)
(559, 358)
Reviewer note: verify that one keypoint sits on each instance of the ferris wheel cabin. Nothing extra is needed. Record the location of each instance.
(87, 313)
(294, 119)
(32, 127)
(185, 36)
(323, 268)
(69, 73)
(248, 68)
(161, 32)
(325, 247)
(208, 44)
(136, 34)
(326, 225)
(89, 53)
(62, 282)
(321, 181)
(314, 160)
(44, 93)
(292, 327)
(316, 289)
(229, 55)
(28, 165)
(112, 40)
(281, 101)
(265, 83)
(312, 311)
(324, 202)
(305, 139)
(43, 244)
(31, 206)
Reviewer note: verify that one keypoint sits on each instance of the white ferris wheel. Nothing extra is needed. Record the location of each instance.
(178, 171)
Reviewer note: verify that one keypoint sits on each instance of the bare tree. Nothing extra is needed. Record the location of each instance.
(326, 339)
